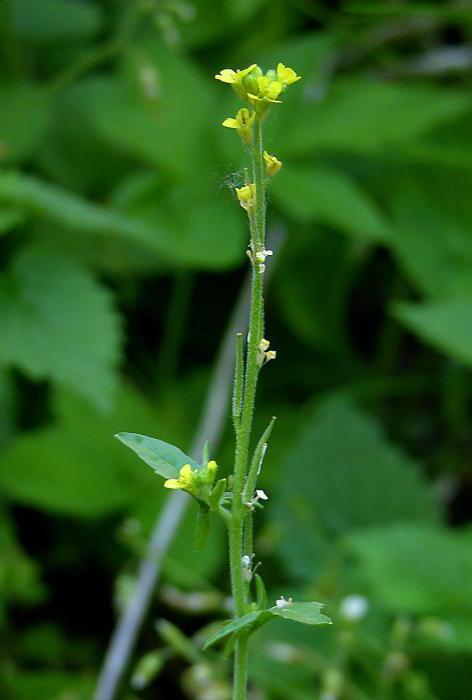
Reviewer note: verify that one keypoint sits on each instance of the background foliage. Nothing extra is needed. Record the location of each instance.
(121, 248)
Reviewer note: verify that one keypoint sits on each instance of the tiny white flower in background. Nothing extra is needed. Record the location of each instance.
(261, 268)
(282, 603)
(285, 653)
(246, 560)
(354, 607)
(261, 495)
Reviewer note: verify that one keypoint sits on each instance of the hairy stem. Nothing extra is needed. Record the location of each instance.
(244, 431)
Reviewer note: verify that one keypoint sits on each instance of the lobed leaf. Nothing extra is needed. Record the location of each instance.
(306, 613)
(58, 323)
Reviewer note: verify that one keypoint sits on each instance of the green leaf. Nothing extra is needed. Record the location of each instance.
(147, 669)
(165, 459)
(19, 575)
(73, 212)
(416, 568)
(323, 194)
(54, 20)
(364, 116)
(446, 325)
(306, 613)
(433, 244)
(342, 475)
(58, 323)
(260, 591)
(10, 218)
(74, 467)
(238, 625)
(313, 286)
(24, 117)
(157, 109)
(217, 494)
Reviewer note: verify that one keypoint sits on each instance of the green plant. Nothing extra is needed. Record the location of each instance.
(236, 498)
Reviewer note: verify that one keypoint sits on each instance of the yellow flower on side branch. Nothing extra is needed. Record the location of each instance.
(243, 123)
(186, 480)
(273, 164)
(247, 196)
(195, 481)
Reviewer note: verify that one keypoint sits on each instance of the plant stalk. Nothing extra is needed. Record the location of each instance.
(244, 429)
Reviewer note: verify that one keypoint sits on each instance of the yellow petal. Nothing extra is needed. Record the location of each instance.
(246, 71)
(287, 76)
(185, 473)
(231, 123)
(274, 89)
(172, 484)
(227, 75)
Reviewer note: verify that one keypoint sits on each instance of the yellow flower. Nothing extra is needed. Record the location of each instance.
(242, 123)
(186, 480)
(286, 76)
(267, 90)
(228, 75)
(247, 196)
(197, 482)
(273, 164)
(236, 78)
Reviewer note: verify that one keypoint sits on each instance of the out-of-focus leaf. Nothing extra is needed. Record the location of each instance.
(416, 568)
(322, 193)
(58, 323)
(147, 669)
(342, 475)
(362, 116)
(204, 227)
(7, 406)
(241, 10)
(191, 568)
(186, 225)
(446, 325)
(10, 217)
(433, 245)
(157, 111)
(50, 685)
(75, 466)
(407, 9)
(49, 21)
(313, 285)
(19, 575)
(73, 212)
(165, 459)
(24, 116)
(73, 153)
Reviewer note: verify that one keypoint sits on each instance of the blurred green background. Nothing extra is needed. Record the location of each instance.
(122, 252)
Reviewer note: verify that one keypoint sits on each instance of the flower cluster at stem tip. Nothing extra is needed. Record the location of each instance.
(196, 482)
(260, 91)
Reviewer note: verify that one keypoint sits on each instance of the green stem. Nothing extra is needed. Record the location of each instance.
(244, 431)
(240, 669)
